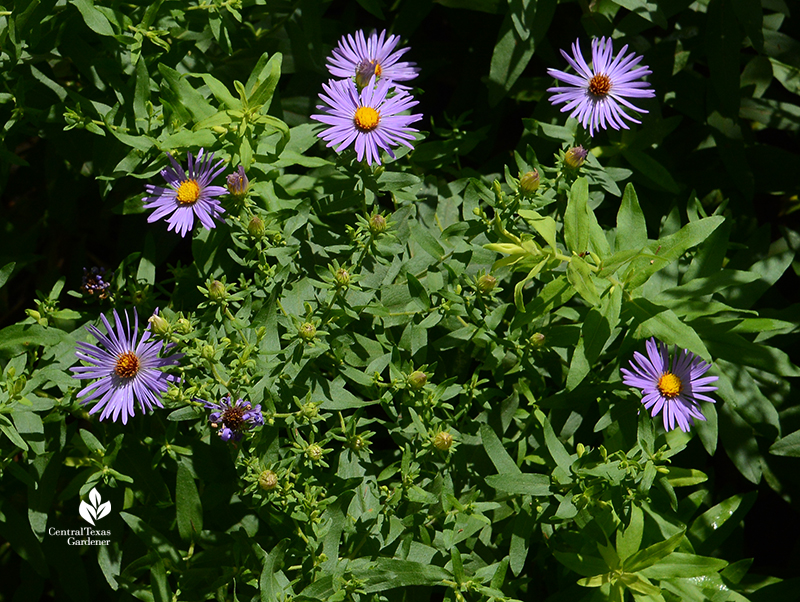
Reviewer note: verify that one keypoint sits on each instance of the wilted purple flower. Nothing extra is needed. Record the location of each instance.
(127, 369)
(364, 58)
(234, 418)
(238, 182)
(676, 391)
(189, 195)
(596, 96)
(95, 282)
(367, 119)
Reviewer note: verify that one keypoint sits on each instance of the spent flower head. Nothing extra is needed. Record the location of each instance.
(233, 418)
(597, 95)
(190, 194)
(367, 57)
(676, 390)
(370, 120)
(127, 369)
(96, 282)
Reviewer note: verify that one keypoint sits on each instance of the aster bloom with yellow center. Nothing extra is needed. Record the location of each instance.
(233, 418)
(369, 120)
(361, 57)
(675, 391)
(189, 195)
(127, 369)
(596, 95)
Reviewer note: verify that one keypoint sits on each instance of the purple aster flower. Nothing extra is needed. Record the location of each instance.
(238, 182)
(362, 58)
(126, 367)
(367, 119)
(677, 390)
(596, 96)
(233, 417)
(96, 282)
(189, 194)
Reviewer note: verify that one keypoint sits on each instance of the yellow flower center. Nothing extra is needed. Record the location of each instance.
(378, 70)
(233, 417)
(669, 385)
(188, 192)
(366, 119)
(127, 365)
(600, 85)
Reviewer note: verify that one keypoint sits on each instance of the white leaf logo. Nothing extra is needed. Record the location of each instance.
(94, 511)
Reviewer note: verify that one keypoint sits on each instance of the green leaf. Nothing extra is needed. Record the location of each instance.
(263, 80)
(426, 240)
(544, 225)
(631, 225)
(787, 446)
(94, 19)
(580, 277)
(220, 91)
(652, 554)
(630, 539)
(159, 583)
(684, 566)
(583, 564)
(712, 528)
(652, 320)
(685, 477)
(576, 217)
(557, 450)
(151, 538)
(523, 484)
(6, 272)
(21, 338)
(270, 588)
(520, 539)
(390, 573)
(497, 453)
(187, 505)
(652, 170)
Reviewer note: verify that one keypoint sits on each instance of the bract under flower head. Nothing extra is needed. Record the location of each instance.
(190, 194)
(675, 391)
(369, 120)
(362, 58)
(234, 418)
(596, 95)
(126, 367)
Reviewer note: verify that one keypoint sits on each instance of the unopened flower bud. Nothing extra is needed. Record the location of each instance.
(307, 331)
(443, 441)
(365, 70)
(342, 277)
(357, 443)
(581, 449)
(310, 410)
(256, 227)
(377, 224)
(19, 385)
(238, 183)
(314, 452)
(268, 480)
(207, 353)
(575, 156)
(417, 379)
(158, 324)
(529, 182)
(184, 326)
(486, 283)
(216, 291)
(537, 340)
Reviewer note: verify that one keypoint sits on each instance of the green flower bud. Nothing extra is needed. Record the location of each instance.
(256, 227)
(314, 452)
(207, 353)
(357, 443)
(537, 340)
(310, 410)
(216, 291)
(529, 182)
(575, 156)
(486, 283)
(307, 331)
(184, 326)
(417, 379)
(19, 385)
(377, 224)
(581, 449)
(158, 324)
(342, 277)
(268, 480)
(443, 441)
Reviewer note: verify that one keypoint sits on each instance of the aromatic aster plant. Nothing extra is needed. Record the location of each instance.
(431, 341)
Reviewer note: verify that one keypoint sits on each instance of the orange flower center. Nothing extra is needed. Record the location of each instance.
(670, 385)
(188, 192)
(599, 85)
(366, 119)
(127, 365)
(378, 70)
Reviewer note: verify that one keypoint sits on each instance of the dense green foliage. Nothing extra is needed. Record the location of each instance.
(445, 417)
